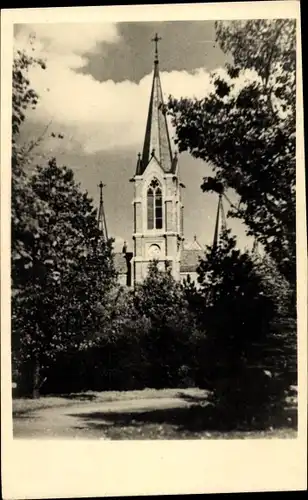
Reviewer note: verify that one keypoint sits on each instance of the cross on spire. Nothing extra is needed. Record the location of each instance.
(156, 39)
(101, 186)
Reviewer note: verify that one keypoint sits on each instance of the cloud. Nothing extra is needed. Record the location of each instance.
(94, 116)
(66, 38)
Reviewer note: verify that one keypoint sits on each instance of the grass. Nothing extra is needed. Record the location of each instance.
(169, 432)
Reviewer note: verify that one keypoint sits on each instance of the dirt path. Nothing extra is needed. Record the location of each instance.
(81, 420)
(139, 415)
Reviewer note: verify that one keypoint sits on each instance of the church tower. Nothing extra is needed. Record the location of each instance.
(158, 210)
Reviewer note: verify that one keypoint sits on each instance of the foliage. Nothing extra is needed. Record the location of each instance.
(276, 285)
(283, 326)
(168, 344)
(240, 354)
(114, 359)
(62, 271)
(145, 340)
(245, 128)
(23, 97)
(121, 344)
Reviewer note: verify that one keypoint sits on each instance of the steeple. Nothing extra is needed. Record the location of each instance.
(158, 209)
(157, 140)
(221, 223)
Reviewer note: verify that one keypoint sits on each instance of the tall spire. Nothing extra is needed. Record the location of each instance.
(255, 247)
(157, 140)
(102, 224)
(221, 223)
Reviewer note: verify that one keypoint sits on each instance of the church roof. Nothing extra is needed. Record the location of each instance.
(190, 260)
(157, 140)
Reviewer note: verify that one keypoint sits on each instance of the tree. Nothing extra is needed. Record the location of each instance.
(161, 300)
(240, 357)
(245, 128)
(23, 97)
(62, 271)
(63, 274)
(122, 345)
(113, 357)
(283, 326)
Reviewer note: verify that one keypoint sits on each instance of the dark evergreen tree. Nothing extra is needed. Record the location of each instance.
(240, 352)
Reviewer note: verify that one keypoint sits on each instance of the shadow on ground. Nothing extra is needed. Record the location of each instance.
(189, 420)
(193, 398)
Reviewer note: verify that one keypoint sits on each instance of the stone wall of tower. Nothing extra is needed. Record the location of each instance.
(169, 215)
(138, 217)
(138, 223)
(137, 247)
(169, 237)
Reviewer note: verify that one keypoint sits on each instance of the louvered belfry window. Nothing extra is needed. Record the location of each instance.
(155, 205)
(150, 208)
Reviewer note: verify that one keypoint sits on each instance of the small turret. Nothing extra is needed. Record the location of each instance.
(102, 224)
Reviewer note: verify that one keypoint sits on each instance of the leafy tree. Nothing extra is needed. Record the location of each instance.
(245, 128)
(277, 286)
(113, 357)
(160, 299)
(282, 351)
(23, 95)
(63, 274)
(123, 343)
(61, 270)
(23, 98)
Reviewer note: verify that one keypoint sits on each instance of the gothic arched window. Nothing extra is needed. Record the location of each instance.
(155, 205)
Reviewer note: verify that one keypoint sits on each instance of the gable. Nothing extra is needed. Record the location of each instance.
(153, 168)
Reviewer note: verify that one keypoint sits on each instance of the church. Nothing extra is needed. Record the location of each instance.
(158, 210)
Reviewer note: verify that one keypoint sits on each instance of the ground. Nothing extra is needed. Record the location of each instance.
(147, 414)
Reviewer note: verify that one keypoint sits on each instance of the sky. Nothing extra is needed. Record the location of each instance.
(95, 92)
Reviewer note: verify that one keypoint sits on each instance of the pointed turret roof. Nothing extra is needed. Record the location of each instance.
(157, 141)
(102, 224)
(221, 223)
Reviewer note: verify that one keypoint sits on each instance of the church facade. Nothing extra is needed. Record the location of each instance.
(158, 210)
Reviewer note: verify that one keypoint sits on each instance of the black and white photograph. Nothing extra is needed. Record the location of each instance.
(153, 256)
